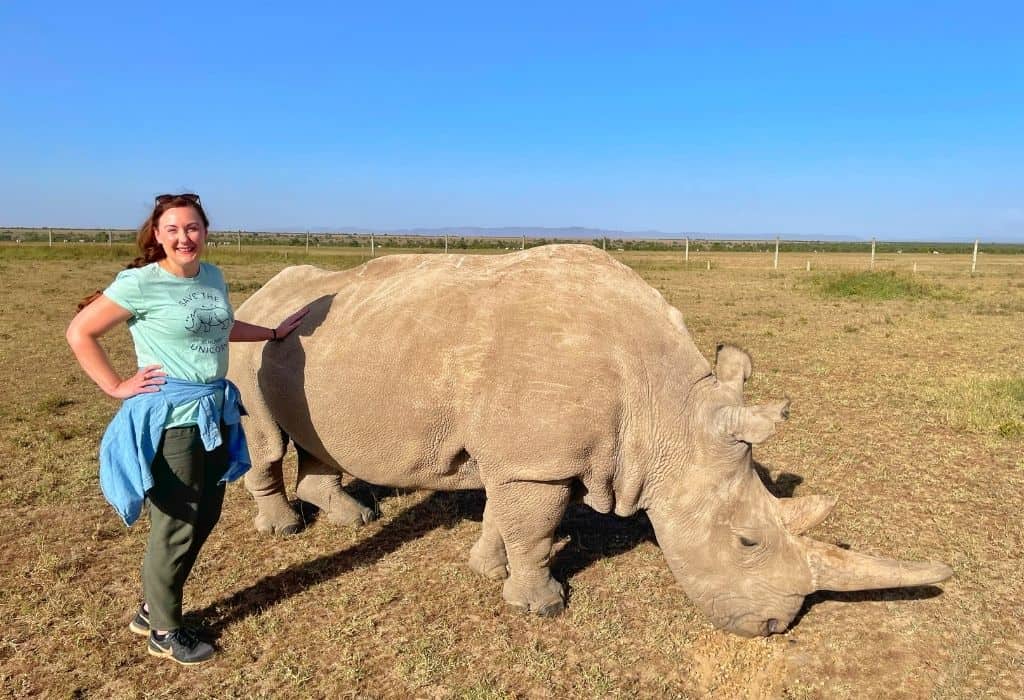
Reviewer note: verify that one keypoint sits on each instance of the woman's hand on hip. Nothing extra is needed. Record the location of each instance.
(146, 381)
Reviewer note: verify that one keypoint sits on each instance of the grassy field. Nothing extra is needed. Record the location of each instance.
(908, 404)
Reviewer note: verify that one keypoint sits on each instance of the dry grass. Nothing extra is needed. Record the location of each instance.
(898, 409)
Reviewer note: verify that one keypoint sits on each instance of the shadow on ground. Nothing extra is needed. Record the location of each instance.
(592, 536)
(886, 594)
(781, 487)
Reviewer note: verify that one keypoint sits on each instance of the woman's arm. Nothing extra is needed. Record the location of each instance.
(242, 332)
(83, 336)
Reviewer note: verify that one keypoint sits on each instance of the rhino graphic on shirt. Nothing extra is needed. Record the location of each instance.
(202, 319)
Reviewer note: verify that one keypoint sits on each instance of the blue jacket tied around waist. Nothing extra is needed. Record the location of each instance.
(133, 436)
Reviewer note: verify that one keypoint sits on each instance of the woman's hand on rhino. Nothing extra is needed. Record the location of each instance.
(146, 381)
(291, 323)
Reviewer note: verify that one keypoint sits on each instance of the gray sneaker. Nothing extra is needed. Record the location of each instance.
(140, 623)
(182, 646)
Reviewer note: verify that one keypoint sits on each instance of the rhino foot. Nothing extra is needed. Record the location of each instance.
(546, 599)
(324, 491)
(278, 526)
(552, 609)
(488, 564)
(350, 515)
(275, 515)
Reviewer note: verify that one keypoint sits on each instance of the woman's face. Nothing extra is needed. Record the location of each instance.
(181, 233)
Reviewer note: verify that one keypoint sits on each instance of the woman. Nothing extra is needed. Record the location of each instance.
(177, 438)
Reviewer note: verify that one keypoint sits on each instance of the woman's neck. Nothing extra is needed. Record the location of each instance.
(189, 270)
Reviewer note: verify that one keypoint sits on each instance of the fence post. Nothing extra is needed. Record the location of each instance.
(239, 240)
(446, 243)
(974, 258)
(373, 251)
(775, 265)
(523, 246)
(915, 267)
(604, 243)
(709, 264)
(50, 231)
(808, 265)
(686, 255)
(110, 238)
(872, 254)
(307, 242)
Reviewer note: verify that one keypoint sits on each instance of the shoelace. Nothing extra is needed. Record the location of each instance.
(185, 637)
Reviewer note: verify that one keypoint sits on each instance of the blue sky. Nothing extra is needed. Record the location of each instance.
(895, 120)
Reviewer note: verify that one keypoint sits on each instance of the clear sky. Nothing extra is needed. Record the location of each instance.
(891, 119)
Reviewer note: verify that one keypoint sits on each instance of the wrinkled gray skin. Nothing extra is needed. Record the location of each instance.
(535, 375)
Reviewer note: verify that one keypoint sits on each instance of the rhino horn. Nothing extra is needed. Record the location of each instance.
(837, 569)
(752, 424)
(802, 513)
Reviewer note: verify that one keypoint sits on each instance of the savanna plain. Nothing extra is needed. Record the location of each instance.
(907, 404)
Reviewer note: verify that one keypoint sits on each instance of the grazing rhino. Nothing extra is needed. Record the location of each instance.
(536, 376)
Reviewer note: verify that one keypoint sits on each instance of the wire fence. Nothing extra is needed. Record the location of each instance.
(692, 252)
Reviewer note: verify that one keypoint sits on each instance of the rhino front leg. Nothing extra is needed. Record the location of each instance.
(320, 484)
(527, 514)
(488, 557)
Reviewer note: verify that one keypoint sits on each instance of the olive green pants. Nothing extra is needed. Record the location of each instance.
(184, 505)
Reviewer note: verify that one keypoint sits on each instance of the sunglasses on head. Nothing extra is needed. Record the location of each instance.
(164, 198)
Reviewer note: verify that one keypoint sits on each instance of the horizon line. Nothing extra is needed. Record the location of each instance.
(534, 232)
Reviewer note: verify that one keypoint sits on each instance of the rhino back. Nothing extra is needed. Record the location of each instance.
(414, 369)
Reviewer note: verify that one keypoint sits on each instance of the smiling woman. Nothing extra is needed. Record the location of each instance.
(178, 437)
(181, 232)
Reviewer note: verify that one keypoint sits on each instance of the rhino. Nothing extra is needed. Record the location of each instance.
(540, 376)
(204, 318)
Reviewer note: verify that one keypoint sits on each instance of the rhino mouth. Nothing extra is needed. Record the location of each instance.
(763, 628)
(752, 625)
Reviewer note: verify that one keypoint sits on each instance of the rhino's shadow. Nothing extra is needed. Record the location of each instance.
(437, 510)
(592, 536)
(885, 594)
(782, 487)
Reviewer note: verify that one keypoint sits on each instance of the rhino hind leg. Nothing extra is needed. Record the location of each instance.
(527, 514)
(320, 484)
(488, 557)
(265, 481)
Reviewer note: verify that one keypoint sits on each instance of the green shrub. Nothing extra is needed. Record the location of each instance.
(985, 405)
(875, 286)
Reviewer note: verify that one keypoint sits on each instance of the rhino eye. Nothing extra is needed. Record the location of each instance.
(747, 542)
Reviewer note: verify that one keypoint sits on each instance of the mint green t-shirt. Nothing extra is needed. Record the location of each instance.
(180, 323)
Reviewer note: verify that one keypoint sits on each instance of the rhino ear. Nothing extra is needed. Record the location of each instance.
(802, 513)
(732, 366)
(752, 424)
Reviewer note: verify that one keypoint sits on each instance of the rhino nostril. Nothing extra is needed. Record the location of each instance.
(772, 625)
